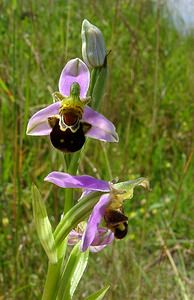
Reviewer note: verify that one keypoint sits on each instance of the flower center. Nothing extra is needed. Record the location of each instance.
(70, 114)
(69, 120)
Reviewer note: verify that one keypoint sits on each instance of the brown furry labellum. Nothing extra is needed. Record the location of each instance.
(117, 222)
(68, 133)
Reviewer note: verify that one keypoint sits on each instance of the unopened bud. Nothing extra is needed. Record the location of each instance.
(93, 45)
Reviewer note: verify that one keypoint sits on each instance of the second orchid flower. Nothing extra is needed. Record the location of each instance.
(107, 219)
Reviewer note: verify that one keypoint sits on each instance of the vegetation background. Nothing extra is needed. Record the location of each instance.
(149, 97)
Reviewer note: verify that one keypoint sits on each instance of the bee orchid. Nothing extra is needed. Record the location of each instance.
(70, 119)
(107, 215)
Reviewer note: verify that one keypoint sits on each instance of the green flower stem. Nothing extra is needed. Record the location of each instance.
(72, 167)
(67, 158)
(74, 216)
(99, 87)
(52, 279)
(53, 275)
(107, 162)
(94, 75)
(68, 203)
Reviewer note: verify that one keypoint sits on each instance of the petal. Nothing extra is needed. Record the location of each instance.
(65, 180)
(93, 222)
(74, 71)
(38, 123)
(74, 237)
(96, 249)
(102, 129)
(108, 239)
(103, 237)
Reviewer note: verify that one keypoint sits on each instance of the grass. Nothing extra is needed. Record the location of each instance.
(149, 97)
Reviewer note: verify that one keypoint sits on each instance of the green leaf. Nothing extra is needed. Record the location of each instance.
(43, 225)
(99, 294)
(72, 273)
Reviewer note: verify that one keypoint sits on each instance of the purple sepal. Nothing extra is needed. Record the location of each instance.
(102, 129)
(66, 180)
(74, 71)
(38, 123)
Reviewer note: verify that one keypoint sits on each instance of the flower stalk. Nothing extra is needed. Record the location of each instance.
(53, 274)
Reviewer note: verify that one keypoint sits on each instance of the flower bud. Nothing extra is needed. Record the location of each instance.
(93, 45)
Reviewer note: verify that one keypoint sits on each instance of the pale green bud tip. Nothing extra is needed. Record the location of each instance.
(93, 45)
(75, 90)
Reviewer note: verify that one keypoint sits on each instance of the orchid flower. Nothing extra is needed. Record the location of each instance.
(69, 119)
(109, 208)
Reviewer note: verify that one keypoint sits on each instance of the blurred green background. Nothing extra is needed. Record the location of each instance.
(149, 98)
